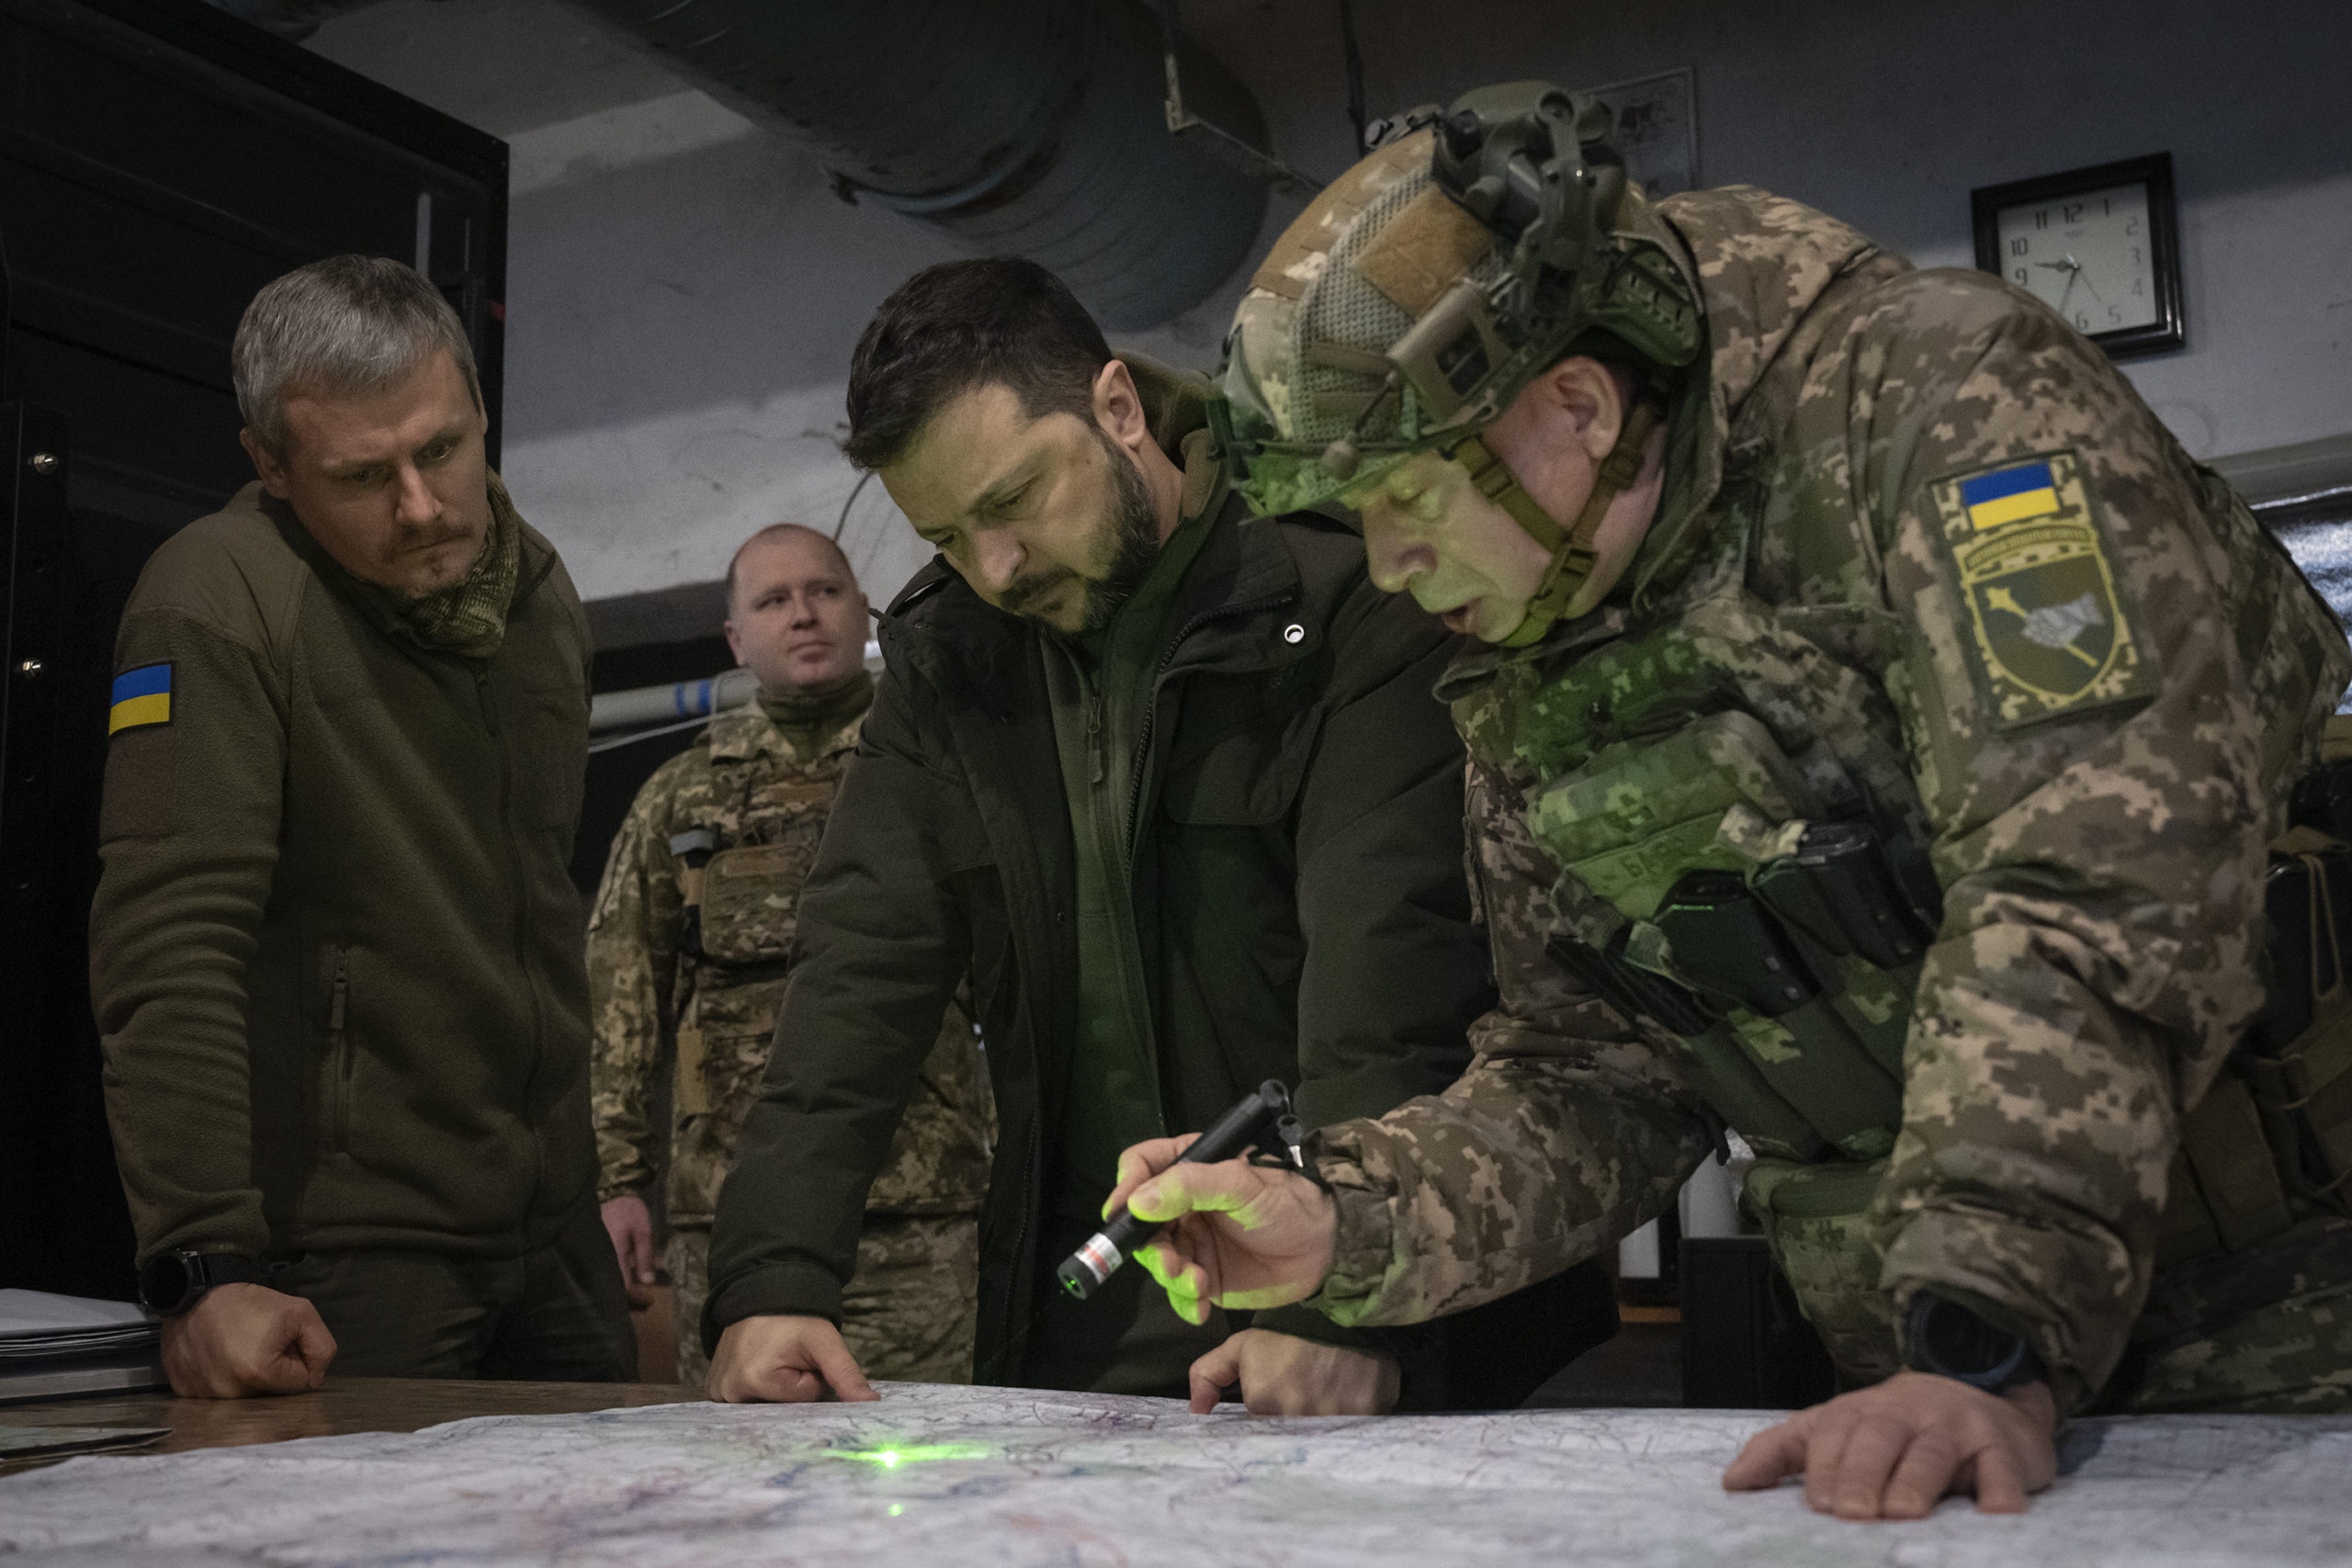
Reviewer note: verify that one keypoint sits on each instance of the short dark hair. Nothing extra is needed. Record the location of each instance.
(963, 324)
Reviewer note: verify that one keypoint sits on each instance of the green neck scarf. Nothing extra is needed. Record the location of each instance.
(806, 716)
(471, 619)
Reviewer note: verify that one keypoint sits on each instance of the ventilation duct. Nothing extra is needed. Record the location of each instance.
(1034, 128)
(292, 19)
(1045, 129)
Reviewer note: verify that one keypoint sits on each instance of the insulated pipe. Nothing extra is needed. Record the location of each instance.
(687, 699)
(1035, 128)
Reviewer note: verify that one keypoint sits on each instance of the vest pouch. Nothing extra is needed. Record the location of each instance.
(1812, 1216)
(1724, 942)
(2304, 1088)
(1816, 1064)
(751, 898)
(2223, 1191)
(1741, 1096)
(1876, 1008)
(1640, 813)
(721, 1065)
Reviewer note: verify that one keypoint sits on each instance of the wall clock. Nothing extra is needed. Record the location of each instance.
(2101, 246)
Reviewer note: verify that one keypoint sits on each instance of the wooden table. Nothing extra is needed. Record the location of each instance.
(344, 1404)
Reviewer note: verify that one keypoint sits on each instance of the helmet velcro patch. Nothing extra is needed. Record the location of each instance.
(1421, 255)
(1291, 266)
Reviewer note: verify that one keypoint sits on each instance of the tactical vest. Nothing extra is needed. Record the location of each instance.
(740, 871)
(1744, 860)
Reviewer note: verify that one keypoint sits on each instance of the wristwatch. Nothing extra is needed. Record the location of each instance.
(171, 1282)
(1944, 1338)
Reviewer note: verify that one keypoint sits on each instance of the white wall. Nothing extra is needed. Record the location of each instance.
(684, 291)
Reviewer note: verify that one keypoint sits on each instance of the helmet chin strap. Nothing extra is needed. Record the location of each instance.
(1573, 556)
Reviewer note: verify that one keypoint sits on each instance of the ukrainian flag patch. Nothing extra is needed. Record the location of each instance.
(2010, 495)
(142, 697)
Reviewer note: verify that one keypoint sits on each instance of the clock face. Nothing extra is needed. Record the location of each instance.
(2088, 255)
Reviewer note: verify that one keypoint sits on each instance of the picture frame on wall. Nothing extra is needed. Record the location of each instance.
(1657, 128)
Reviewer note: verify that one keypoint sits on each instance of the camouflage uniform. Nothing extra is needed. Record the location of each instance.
(1826, 621)
(910, 1313)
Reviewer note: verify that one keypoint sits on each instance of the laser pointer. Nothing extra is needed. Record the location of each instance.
(1243, 1127)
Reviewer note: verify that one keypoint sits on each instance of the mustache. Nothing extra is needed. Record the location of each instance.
(430, 535)
(1023, 593)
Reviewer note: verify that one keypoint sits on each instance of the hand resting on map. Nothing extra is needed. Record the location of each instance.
(1895, 1449)
(784, 1361)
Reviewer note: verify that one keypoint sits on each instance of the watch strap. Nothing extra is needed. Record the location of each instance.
(1952, 1340)
(228, 1268)
(174, 1282)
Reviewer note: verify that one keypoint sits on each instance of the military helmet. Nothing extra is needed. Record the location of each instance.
(1408, 305)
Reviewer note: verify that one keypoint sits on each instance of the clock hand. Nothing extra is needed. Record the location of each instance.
(2056, 266)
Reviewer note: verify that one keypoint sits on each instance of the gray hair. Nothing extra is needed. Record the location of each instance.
(342, 326)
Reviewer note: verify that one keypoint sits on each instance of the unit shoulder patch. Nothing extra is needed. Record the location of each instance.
(2050, 627)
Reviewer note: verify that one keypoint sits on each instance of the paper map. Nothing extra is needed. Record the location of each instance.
(931, 1477)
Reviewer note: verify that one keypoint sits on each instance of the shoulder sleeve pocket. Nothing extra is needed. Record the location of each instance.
(141, 785)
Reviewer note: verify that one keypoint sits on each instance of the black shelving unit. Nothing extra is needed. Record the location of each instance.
(160, 160)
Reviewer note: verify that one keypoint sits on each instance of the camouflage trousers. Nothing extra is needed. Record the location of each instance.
(910, 1315)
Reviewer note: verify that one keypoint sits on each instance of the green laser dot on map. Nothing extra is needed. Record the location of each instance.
(909, 1453)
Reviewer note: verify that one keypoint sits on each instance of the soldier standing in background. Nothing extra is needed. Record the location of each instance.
(688, 952)
(1883, 726)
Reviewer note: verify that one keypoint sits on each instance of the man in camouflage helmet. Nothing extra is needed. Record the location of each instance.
(687, 955)
(1885, 724)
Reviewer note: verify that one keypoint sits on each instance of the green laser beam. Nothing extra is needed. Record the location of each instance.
(908, 1453)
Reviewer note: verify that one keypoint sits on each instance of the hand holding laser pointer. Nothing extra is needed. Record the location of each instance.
(1261, 1120)
(1236, 1235)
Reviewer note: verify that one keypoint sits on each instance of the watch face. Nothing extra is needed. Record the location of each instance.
(2088, 255)
(164, 1281)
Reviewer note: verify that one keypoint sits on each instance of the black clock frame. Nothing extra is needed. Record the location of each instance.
(2169, 330)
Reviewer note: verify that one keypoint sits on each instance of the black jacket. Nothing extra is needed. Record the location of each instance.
(1298, 889)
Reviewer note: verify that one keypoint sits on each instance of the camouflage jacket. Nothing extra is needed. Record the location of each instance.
(713, 1011)
(1833, 556)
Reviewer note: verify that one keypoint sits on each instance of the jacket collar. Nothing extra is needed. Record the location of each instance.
(741, 734)
(378, 604)
(1758, 264)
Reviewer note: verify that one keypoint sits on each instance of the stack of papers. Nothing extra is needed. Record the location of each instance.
(51, 1346)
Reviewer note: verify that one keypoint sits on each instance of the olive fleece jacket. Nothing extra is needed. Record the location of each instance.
(335, 953)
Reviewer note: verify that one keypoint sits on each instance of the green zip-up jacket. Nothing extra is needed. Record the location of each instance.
(335, 953)
(1295, 877)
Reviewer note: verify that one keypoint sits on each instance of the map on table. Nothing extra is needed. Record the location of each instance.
(931, 1477)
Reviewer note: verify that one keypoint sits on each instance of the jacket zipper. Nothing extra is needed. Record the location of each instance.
(339, 1043)
(508, 758)
(1151, 708)
(1016, 1341)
